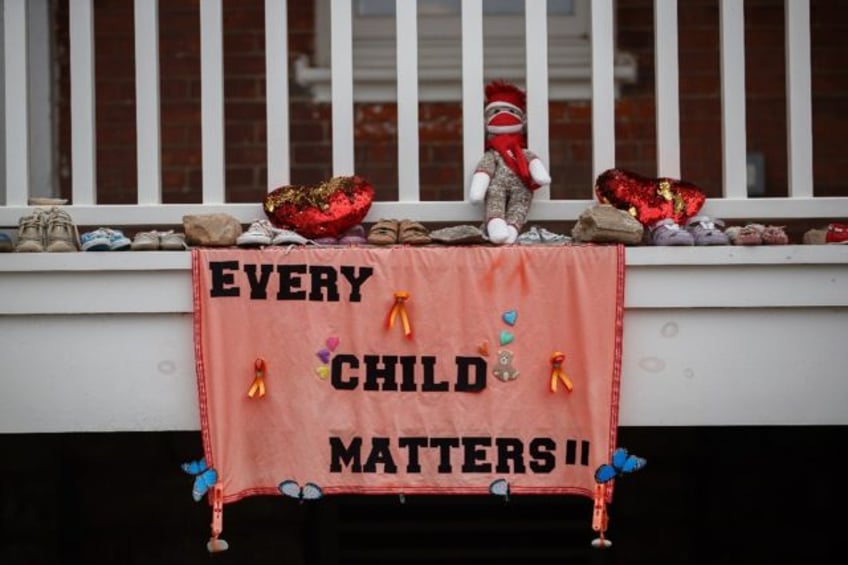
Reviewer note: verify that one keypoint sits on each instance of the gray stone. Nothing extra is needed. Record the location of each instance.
(604, 223)
(211, 230)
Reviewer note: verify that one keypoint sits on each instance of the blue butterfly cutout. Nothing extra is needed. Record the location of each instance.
(499, 487)
(309, 491)
(204, 477)
(622, 463)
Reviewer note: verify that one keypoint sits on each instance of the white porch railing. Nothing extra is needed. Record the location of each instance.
(84, 208)
(712, 336)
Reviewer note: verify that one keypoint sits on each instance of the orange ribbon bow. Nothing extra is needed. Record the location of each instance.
(258, 386)
(399, 309)
(557, 372)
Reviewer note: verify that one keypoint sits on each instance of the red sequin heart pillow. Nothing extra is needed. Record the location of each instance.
(325, 210)
(649, 200)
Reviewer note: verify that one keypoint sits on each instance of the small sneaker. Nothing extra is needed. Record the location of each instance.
(97, 240)
(61, 233)
(145, 241)
(288, 237)
(707, 231)
(260, 232)
(6, 244)
(835, 233)
(668, 233)
(170, 241)
(747, 235)
(117, 240)
(540, 236)
(353, 236)
(104, 239)
(154, 240)
(530, 237)
(31, 232)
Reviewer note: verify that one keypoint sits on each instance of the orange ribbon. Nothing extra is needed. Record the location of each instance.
(557, 372)
(258, 386)
(399, 309)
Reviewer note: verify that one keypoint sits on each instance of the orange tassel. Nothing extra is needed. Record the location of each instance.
(216, 544)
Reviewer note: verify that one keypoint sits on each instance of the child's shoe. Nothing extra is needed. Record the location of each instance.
(707, 231)
(260, 232)
(61, 233)
(96, 240)
(31, 236)
(668, 233)
(6, 244)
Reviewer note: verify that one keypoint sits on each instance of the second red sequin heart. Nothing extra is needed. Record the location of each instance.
(648, 199)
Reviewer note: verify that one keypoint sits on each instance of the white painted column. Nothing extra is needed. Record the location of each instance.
(536, 38)
(341, 77)
(667, 88)
(407, 102)
(733, 136)
(473, 122)
(212, 101)
(799, 119)
(147, 116)
(83, 131)
(277, 93)
(603, 88)
(16, 101)
(43, 160)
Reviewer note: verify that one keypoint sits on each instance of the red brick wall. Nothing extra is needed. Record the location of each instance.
(441, 123)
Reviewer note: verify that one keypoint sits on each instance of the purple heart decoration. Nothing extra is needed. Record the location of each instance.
(324, 355)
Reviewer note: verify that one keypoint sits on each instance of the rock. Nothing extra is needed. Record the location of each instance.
(211, 230)
(604, 223)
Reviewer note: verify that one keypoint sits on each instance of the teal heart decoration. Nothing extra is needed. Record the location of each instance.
(506, 337)
(510, 316)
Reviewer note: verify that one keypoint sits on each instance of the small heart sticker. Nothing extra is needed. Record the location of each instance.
(332, 343)
(510, 316)
(322, 371)
(506, 337)
(324, 355)
(483, 348)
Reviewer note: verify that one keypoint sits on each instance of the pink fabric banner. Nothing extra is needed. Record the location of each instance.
(408, 370)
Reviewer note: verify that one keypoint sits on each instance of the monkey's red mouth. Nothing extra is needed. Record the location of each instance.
(504, 118)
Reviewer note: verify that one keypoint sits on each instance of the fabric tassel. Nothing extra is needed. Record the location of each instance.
(600, 518)
(216, 544)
